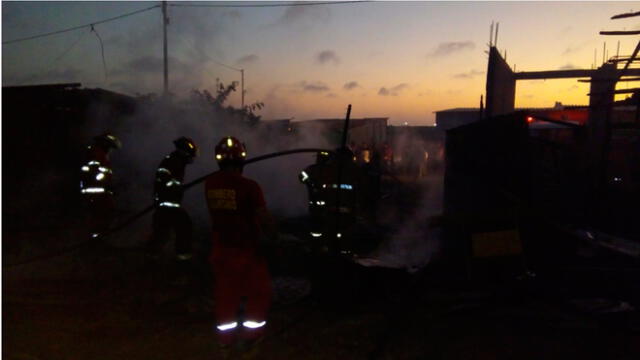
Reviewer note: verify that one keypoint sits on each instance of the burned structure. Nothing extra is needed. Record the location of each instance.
(533, 178)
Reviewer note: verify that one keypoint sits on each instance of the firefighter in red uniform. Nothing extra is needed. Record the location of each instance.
(170, 215)
(96, 185)
(238, 216)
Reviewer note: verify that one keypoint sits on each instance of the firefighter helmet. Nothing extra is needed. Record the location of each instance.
(230, 149)
(186, 146)
(108, 141)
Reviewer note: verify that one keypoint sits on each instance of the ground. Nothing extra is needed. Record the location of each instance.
(97, 303)
(388, 315)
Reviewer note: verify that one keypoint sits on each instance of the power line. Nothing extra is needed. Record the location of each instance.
(270, 5)
(104, 63)
(78, 27)
(227, 66)
(67, 50)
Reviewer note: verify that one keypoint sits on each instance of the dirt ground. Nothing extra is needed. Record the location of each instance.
(92, 304)
(385, 315)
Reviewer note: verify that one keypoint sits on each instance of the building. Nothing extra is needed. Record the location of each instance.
(320, 132)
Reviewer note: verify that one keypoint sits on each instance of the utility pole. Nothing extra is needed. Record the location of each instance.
(165, 22)
(242, 87)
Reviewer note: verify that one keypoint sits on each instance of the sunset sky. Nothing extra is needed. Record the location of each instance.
(402, 60)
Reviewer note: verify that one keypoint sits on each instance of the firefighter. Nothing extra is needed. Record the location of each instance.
(339, 201)
(169, 215)
(238, 217)
(309, 177)
(96, 183)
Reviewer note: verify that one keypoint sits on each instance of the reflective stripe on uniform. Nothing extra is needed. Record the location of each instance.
(184, 256)
(104, 169)
(227, 326)
(342, 186)
(85, 168)
(163, 170)
(169, 204)
(92, 190)
(93, 162)
(173, 182)
(253, 324)
(316, 234)
(100, 176)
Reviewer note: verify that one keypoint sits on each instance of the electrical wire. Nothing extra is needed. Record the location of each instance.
(63, 54)
(270, 5)
(227, 66)
(104, 63)
(78, 27)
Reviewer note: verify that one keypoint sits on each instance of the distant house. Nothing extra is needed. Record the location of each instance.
(451, 118)
(371, 131)
(576, 114)
(44, 131)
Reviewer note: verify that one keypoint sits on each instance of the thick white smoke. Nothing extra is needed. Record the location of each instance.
(148, 135)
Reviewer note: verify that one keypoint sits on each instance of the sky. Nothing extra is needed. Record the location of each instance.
(398, 59)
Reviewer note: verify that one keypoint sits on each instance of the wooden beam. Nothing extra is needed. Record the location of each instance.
(625, 15)
(591, 80)
(633, 32)
(565, 74)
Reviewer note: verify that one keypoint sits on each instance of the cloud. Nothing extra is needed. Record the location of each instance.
(568, 66)
(234, 14)
(247, 59)
(327, 56)
(332, 95)
(449, 48)
(315, 87)
(394, 91)
(468, 75)
(52, 76)
(301, 14)
(351, 85)
(573, 48)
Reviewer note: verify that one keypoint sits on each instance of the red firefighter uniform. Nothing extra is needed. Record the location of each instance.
(96, 183)
(240, 271)
(168, 191)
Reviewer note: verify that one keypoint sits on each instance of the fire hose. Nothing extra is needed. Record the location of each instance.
(149, 208)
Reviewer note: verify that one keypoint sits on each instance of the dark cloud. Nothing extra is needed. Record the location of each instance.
(327, 56)
(449, 48)
(67, 75)
(351, 85)
(468, 75)
(302, 14)
(394, 91)
(247, 59)
(568, 66)
(315, 87)
(234, 14)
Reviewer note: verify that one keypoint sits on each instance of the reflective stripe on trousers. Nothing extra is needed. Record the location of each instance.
(227, 326)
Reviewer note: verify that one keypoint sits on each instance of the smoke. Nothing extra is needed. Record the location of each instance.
(418, 174)
(148, 135)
